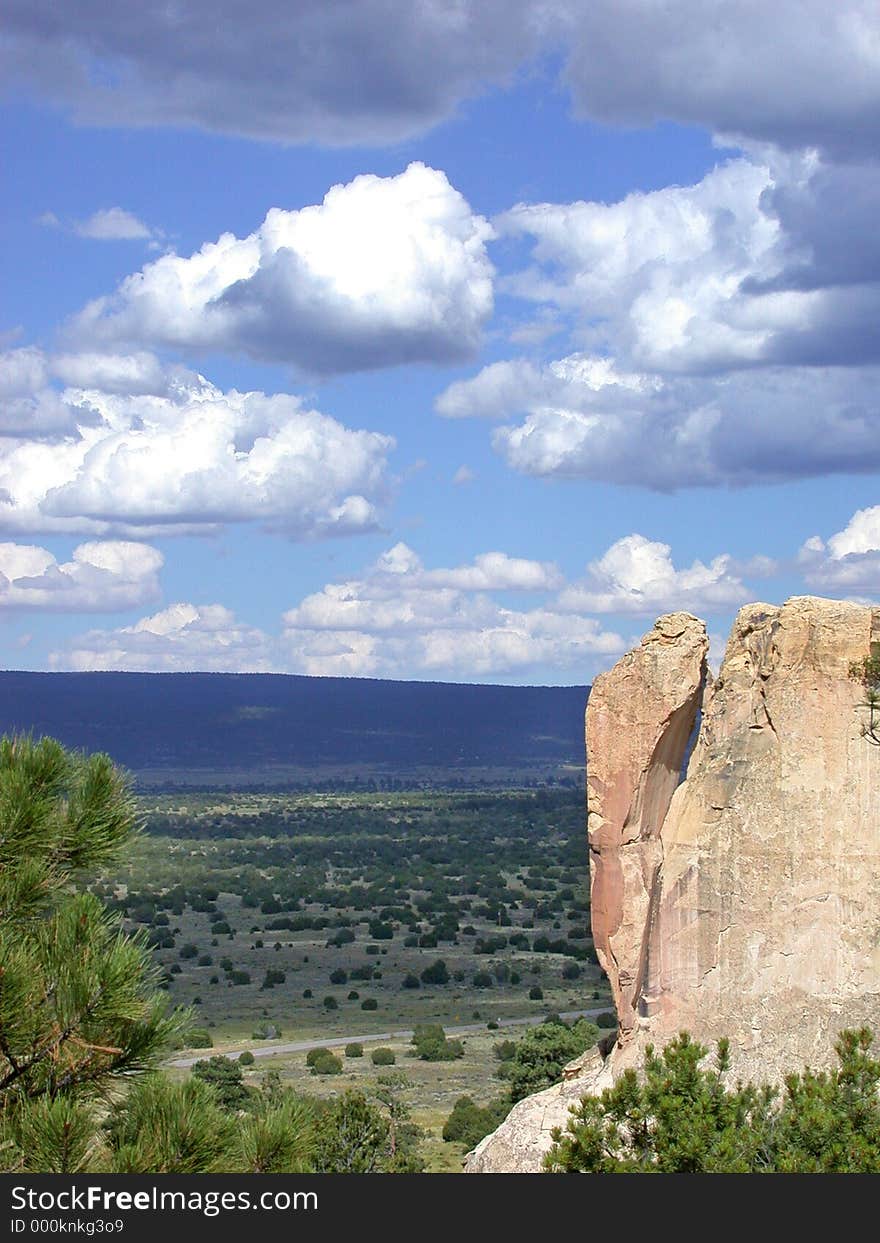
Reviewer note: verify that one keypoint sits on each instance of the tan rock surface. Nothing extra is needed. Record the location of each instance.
(641, 714)
(746, 901)
(768, 913)
(520, 1144)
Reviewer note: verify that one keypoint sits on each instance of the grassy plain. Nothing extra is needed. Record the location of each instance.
(264, 905)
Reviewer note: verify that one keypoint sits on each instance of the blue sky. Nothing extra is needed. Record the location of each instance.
(449, 341)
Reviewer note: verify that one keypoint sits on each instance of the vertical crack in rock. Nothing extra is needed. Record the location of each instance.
(639, 722)
(745, 901)
(661, 781)
(766, 927)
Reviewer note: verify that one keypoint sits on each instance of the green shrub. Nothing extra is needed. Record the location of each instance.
(369, 1003)
(352, 1137)
(606, 1020)
(246, 1058)
(200, 1038)
(383, 1057)
(437, 973)
(431, 1044)
(469, 1123)
(326, 1063)
(267, 1031)
(680, 1116)
(540, 1055)
(354, 1050)
(224, 1078)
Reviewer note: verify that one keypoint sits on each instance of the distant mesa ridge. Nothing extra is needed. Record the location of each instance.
(222, 721)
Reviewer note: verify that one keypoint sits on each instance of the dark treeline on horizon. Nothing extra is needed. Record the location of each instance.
(223, 721)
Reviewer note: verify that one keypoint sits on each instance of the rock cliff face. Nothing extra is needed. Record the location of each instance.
(745, 901)
(641, 715)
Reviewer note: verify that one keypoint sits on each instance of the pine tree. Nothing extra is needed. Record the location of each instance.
(681, 1117)
(352, 1137)
(79, 999)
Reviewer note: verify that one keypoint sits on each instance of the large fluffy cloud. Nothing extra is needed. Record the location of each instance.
(386, 270)
(155, 450)
(726, 331)
(797, 72)
(752, 266)
(584, 418)
(637, 575)
(848, 563)
(101, 576)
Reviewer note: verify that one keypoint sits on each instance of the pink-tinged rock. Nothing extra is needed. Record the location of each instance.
(640, 717)
(744, 902)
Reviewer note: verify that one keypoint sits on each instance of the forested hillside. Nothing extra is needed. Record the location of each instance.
(256, 722)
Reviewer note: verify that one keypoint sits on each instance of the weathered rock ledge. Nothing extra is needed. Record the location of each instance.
(744, 901)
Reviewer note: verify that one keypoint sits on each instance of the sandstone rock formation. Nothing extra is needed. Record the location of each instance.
(524, 1137)
(745, 901)
(640, 718)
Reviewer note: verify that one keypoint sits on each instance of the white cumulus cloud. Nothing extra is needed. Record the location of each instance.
(146, 450)
(386, 270)
(770, 259)
(637, 575)
(400, 619)
(724, 332)
(181, 638)
(693, 278)
(101, 576)
(582, 417)
(849, 561)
